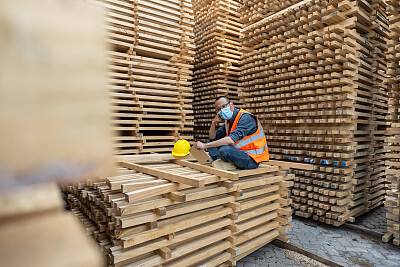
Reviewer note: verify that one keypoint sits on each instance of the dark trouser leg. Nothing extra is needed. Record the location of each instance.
(238, 157)
(213, 152)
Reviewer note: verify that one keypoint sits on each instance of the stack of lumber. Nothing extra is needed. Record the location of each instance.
(315, 87)
(217, 30)
(255, 10)
(392, 201)
(181, 213)
(150, 54)
(379, 37)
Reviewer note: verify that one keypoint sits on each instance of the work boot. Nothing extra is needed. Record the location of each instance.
(223, 165)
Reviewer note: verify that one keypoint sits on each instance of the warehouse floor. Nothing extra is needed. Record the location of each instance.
(340, 245)
(375, 220)
(271, 255)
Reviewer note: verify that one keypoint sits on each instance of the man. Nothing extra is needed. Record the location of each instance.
(239, 141)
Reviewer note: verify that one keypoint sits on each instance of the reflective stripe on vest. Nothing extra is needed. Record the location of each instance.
(250, 140)
(257, 151)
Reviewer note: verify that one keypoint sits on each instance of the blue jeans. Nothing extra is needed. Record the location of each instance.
(232, 154)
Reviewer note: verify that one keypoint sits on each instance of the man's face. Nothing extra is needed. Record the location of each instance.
(223, 103)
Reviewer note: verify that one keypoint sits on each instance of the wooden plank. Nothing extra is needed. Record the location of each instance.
(208, 169)
(200, 155)
(260, 170)
(165, 175)
(152, 191)
(133, 186)
(149, 158)
(290, 165)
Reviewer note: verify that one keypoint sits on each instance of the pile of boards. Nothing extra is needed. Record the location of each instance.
(392, 201)
(314, 74)
(217, 59)
(180, 213)
(151, 47)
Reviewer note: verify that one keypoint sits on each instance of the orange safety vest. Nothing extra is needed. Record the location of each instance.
(254, 145)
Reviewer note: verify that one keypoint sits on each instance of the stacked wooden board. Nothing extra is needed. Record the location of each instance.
(181, 213)
(392, 201)
(255, 10)
(216, 65)
(313, 75)
(150, 55)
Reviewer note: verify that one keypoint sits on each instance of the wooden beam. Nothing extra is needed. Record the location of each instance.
(260, 170)
(149, 158)
(152, 191)
(165, 175)
(208, 169)
(290, 165)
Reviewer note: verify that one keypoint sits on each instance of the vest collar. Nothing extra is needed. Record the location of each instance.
(235, 113)
(229, 123)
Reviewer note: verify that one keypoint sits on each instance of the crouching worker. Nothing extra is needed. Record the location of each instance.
(240, 142)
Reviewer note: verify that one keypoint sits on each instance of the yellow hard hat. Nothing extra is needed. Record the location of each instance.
(181, 148)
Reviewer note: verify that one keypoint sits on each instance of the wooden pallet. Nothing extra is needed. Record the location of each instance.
(181, 213)
(392, 143)
(314, 76)
(151, 47)
(217, 59)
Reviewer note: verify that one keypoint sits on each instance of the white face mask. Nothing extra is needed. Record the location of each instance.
(226, 113)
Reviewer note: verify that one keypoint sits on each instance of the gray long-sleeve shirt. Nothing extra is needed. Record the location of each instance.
(247, 125)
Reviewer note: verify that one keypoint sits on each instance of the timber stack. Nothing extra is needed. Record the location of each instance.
(310, 74)
(376, 185)
(392, 201)
(217, 59)
(150, 54)
(181, 213)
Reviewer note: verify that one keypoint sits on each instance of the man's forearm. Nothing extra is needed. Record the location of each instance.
(212, 130)
(221, 142)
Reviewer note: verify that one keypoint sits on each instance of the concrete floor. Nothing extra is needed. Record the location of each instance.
(340, 245)
(374, 220)
(273, 256)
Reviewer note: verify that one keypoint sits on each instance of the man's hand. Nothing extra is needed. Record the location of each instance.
(200, 145)
(217, 119)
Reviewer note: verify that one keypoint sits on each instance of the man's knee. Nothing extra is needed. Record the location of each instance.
(225, 151)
